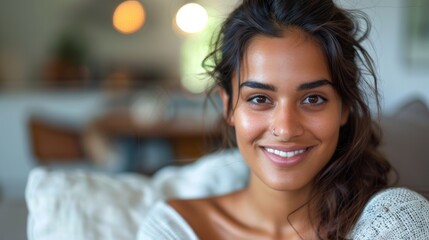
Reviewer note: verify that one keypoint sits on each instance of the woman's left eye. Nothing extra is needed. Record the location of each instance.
(314, 100)
(259, 100)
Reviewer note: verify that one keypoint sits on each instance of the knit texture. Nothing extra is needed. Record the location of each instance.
(395, 213)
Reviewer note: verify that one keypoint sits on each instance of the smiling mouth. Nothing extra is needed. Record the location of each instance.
(285, 154)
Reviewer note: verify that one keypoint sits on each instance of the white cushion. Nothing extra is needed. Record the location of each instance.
(92, 205)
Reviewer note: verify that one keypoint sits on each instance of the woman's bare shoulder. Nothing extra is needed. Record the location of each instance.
(191, 208)
(207, 203)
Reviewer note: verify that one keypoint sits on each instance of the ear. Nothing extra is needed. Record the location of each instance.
(345, 111)
(227, 113)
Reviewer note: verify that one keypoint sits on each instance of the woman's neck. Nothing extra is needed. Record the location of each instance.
(277, 210)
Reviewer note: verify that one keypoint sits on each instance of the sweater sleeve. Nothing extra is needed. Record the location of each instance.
(396, 213)
(164, 223)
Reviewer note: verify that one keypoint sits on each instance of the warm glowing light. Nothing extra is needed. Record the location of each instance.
(191, 18)
(129, 17)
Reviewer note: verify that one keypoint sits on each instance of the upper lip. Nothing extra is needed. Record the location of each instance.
(287, 148)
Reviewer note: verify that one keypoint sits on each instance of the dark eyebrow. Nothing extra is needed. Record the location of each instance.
(304, 86)
(252, 84)
(314, 84)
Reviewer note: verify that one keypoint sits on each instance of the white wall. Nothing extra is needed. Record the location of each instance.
(400, 80)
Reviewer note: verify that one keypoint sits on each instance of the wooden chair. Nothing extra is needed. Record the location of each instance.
(54, 141)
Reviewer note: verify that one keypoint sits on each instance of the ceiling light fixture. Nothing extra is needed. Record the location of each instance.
(191, 18)
(129, 16)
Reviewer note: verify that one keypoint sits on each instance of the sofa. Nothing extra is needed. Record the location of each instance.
(405, 144)
(78, 204)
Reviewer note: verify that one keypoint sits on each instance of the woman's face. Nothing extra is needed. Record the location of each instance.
(286, 113)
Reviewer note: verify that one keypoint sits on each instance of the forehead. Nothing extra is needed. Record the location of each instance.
(292, 37)
(295, 55)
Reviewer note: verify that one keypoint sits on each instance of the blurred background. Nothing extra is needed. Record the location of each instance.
(78, 73)
(116, 85)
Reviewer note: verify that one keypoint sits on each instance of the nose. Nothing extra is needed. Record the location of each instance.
(287, 123)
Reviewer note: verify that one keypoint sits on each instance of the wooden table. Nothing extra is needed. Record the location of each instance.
(188, 138)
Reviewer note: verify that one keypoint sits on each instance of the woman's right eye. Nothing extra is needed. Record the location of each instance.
(259, 100)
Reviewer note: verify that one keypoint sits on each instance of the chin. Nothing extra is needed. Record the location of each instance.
(286, 183)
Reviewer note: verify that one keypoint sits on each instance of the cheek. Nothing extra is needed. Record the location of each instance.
(326, 129)
(249, 126)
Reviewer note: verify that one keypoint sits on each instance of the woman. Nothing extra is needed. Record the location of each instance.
(294, 79)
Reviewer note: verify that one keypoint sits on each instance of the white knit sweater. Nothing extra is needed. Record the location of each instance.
(395, 213)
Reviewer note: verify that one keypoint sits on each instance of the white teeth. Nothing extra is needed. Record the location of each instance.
(285, 154)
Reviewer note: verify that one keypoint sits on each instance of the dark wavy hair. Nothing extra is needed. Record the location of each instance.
(356, 170)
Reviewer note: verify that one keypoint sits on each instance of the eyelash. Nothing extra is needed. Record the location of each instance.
(321, 100)
(254, 98)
